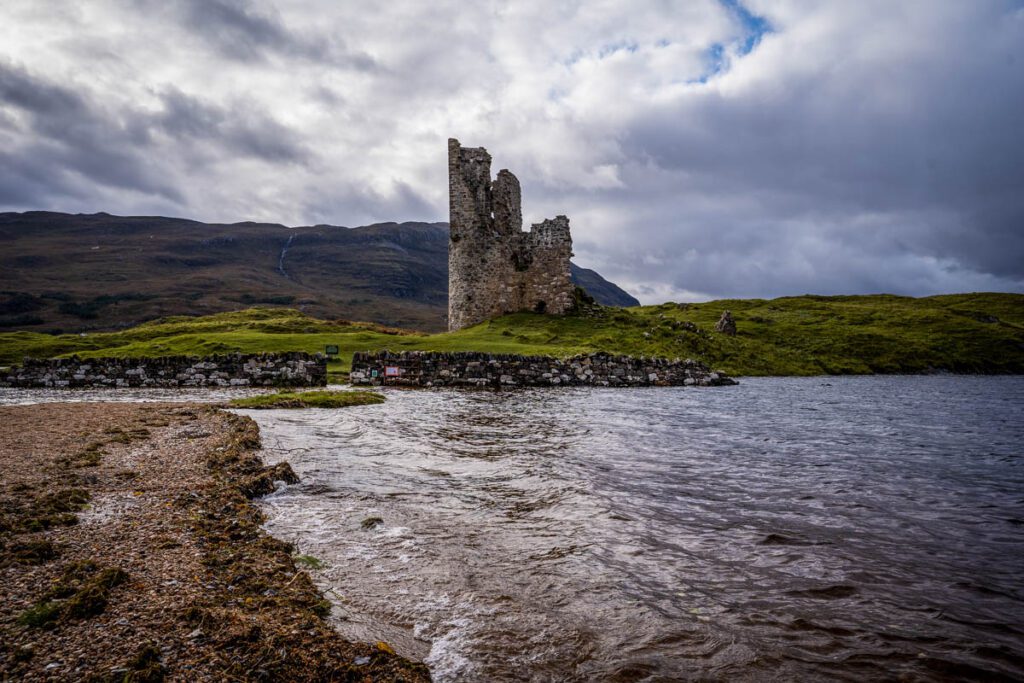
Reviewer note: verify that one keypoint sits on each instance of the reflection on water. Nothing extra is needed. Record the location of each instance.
(785, 528)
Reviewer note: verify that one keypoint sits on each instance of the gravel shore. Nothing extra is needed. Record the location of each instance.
(130, 551)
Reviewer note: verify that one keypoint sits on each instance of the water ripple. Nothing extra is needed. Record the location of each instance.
(784, 529)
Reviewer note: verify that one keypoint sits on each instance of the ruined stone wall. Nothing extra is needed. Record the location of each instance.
(493, 266)
(468, 369)
(548, 287)
(235, 370)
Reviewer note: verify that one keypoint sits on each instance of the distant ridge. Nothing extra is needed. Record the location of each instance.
(76, 272)
(604, 292)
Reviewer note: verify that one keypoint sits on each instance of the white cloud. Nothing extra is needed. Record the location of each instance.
(858, 147)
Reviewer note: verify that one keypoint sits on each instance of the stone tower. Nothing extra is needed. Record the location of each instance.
(493, 266)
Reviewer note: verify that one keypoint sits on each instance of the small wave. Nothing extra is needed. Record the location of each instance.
(780, 539)
(836, 592)
(557, 553)
(447, 659)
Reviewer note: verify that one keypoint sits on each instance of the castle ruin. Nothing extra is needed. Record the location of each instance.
(493, 266)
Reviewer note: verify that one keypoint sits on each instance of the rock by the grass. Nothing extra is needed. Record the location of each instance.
(726, 324)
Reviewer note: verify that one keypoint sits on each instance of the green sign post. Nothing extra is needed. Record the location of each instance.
(331, 350)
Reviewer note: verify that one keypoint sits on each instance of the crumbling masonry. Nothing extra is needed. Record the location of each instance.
(493, 266)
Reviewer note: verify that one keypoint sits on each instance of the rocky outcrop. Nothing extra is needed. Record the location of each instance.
(726, 324)
(430, 369)
(232, 370)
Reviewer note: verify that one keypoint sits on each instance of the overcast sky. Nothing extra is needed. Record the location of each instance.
(701, 148)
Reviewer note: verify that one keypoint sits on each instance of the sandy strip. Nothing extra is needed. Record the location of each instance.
(129, 550)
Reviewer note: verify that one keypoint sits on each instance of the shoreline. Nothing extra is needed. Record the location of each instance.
(131, 550)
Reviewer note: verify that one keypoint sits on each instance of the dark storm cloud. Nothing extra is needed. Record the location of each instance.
(66, 133)
(240, 30)
(861, 175)
(949, 189)
(240, 129)
(69, 140)
(947, 166)
(401, 203)
(27, 182)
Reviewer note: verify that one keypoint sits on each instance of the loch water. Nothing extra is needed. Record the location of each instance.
(856, 528)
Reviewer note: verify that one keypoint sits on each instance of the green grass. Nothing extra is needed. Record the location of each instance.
(806, 335)
(310, 399)
(309, 561)
(254, 330)
(40, 615)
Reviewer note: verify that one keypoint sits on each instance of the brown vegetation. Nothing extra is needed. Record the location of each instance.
(149, 561)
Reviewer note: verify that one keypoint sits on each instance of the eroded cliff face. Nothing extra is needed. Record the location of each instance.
(493, 266)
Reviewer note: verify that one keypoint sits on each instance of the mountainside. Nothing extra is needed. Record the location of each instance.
(82, 272)
(604, 292)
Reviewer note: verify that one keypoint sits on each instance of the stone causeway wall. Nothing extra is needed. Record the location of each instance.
(493, 266)
(467, 369)
(232, 370)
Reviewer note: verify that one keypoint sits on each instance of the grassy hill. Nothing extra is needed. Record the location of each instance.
(100, 272)
(806, 335)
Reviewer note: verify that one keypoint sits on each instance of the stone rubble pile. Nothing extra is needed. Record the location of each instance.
(293, 369)
(432, 369)
(726, 324)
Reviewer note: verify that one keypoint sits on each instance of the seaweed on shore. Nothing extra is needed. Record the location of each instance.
(32, 513)
(245, 610)
(26, 552)
(145, 666)
(266, 615)
(82, 591)
(90, 456)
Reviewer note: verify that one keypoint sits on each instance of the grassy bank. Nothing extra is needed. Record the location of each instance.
(803, 335)
(309, 399)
